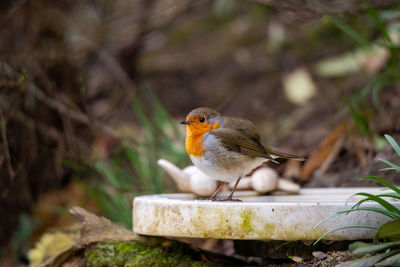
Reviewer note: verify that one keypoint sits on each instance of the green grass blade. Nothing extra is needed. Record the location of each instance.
(380, 25)
(392, 195)
(375, 96)
(122, 209)
(393, 166)
(373, 209)
(348, 199)
(137, 165)
(161, 113)
(328, 218)
(349, 31)
(393, 143)
(345, 227)
(380, 81)
(107, 173)
(144, 120)
(101, 197)
(359, 118)
(388, 169)
(379, 200)
(382, 182)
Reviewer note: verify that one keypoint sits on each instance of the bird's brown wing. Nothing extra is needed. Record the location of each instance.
(251, 145)
(242, 125)
(238, 141)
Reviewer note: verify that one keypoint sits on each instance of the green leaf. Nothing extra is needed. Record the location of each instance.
(382, 182)
(358, 244)
(390, 230)
(393, 143)
(366, 248)
(393, 260)
(368, 261)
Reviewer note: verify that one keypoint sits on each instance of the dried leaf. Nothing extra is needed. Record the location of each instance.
(322, 151)
(99, 229)
(94, 229)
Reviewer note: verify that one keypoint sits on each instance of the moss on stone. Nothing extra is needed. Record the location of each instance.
(131, 253)
(247, 220)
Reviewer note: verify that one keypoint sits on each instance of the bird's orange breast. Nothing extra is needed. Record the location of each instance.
(194, 135)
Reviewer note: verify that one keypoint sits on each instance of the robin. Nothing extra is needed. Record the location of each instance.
(225, 148)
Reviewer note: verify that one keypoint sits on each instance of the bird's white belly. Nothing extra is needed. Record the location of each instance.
(226, 172)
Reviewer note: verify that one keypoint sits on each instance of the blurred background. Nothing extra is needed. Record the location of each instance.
(91, 93)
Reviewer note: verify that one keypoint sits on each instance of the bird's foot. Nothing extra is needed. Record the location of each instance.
(232, 199)
(226, 199)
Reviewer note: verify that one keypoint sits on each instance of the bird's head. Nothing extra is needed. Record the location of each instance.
(201, 120)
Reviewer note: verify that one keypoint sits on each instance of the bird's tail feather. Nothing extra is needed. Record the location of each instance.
(276, 154)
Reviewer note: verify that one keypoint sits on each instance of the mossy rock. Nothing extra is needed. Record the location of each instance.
(95, 248)
(132, 253)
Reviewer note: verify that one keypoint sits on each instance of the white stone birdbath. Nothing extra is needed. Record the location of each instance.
(289, 217)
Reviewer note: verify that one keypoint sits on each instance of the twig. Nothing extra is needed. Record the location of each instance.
(12, 11)
(5, 145)
(46, 130)
(116, 70)
(51, 87)
(60, 107)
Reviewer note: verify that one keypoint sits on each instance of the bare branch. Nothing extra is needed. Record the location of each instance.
(46, 130)
(5, 145)
(53, 104)
(12, 11)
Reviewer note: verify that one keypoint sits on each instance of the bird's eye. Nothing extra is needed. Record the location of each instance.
(202, 119)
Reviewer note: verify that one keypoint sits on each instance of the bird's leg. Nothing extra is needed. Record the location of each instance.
(214, 196)
(229, 198)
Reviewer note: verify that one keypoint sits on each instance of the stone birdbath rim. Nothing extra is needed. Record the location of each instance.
(272, 217)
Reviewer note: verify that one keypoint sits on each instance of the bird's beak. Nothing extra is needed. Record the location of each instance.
(186, 122)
